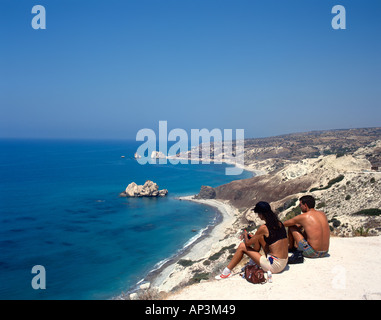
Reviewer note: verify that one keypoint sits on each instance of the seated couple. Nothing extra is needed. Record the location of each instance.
(308, 236)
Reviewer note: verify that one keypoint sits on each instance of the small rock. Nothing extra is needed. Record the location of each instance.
(134, 296)
(145, 286)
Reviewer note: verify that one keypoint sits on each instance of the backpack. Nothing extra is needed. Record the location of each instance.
(254, 274)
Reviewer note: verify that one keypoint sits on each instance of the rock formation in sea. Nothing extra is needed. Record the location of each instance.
(149, 189)
(157, 155)
(206, 192)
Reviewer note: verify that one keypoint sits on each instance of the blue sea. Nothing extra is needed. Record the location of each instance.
(60, 208)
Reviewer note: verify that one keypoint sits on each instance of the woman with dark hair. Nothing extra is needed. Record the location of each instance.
(271, 236)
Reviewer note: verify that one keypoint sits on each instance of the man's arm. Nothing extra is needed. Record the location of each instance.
(296, 220)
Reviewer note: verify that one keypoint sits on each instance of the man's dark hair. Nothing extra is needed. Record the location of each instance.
(308, 200)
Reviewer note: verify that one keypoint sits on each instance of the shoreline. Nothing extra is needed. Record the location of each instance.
(202, 247)
(161, 277)
(244, 167)
(197, 249)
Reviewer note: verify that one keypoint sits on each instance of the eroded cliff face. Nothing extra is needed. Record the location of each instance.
(343, 186)
(294, 178)
(246, 193)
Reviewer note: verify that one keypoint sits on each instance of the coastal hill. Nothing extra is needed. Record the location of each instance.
(272, 153)
(297, 146)
(334, 166)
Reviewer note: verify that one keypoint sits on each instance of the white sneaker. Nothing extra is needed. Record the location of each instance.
(222, 276)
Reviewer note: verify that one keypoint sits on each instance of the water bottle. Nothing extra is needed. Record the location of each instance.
(269, 277)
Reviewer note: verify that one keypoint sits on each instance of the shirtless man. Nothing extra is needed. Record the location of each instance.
(313, 242)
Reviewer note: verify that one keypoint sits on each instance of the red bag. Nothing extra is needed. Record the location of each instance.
(255, 274)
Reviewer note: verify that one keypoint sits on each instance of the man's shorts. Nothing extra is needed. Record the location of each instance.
(308, 251)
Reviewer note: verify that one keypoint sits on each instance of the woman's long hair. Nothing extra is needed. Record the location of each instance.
(270, 217)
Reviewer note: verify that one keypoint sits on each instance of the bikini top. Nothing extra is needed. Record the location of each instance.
(275, 235)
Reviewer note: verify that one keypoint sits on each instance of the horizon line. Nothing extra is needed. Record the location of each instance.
(131, 139)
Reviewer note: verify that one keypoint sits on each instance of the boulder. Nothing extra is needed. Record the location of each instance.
(206, 192)
(134, 296)
(132, 190)
(149, 189)
(145, 286)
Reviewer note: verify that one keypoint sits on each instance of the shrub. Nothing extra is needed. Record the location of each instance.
(330, 183)
(348, 197)
(321, 205)
(200, 276)
(335, 180)
(369, 212)
(149, 294)
(216, 256)
(288, 204)
(220, 253)
(335, 223)
(360, 232)
(185, 262)
(293, 213)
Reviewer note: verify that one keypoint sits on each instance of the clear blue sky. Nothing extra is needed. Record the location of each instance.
(105, 69)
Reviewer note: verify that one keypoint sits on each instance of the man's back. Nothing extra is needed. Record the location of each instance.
(317, 229)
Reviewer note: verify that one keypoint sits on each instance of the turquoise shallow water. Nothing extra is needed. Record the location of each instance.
(59, 208)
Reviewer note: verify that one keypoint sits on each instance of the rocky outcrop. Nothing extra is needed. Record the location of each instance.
(206, 192)
(149, 189)
(157, 155)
